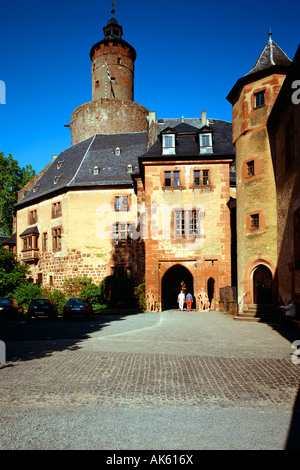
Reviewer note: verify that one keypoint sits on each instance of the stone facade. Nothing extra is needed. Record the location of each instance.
(284, 135)
(107, 206)
(252, 99)
(106, 116)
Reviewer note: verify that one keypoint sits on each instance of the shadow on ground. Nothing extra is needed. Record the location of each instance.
(40, 337)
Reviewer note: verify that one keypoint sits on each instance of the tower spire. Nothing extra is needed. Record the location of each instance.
(112, 8)
(270, 36)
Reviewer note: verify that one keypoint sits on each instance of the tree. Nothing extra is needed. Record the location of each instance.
(12, 273)
(12, 179)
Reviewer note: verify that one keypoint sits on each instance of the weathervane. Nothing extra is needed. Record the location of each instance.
(112, 9)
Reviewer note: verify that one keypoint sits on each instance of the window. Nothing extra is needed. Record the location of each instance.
(121, 204)
(97, 84)
(56, 235)
(117, 151)
(56, 209)
(27, 243)
(176, 180)
(254, 221)
(122, 234)
(129, 169)
(186, 223)
(168, 146)
(205, 140)
(201, 178)
(56, 179)
(250, 168)
(205, 177)
(32, 217)
(45, 241)
(168, 181)
(196, 178)
(259, 99)
(205, 143)
(172, 179)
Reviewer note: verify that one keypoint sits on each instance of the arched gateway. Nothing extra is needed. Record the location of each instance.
(262, 285)
(171, 285)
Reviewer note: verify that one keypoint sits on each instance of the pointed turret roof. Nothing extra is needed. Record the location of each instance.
(271, 55)
(271, 60)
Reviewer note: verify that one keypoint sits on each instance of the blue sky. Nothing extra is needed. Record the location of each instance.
(189, 56)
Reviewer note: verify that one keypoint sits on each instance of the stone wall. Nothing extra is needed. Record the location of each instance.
(107, 116)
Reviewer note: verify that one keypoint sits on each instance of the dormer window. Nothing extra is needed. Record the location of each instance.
(205, 142)
(59, 164)
(117, 151)
(168, 144)
(96, 170)
(129, 169)
(56, 179)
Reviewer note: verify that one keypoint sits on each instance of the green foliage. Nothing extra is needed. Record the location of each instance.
(57, 296)
(140, 296)
(73, 286)
(12, 179)
(25, 293)
(12, 273)
(92, 293)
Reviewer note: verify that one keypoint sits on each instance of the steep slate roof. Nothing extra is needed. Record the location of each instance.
(73, 167)
(186, 143)
(271, 60)
(271, 55)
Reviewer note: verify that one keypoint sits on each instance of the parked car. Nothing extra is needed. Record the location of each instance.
(42, 308)
(9, 308)
(78, 308)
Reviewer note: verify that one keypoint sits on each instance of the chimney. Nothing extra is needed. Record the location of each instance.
(203, 118)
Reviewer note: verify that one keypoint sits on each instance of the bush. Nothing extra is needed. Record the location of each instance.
(139, 293)
(73, 286)
(92, 293)
(56, 296)
(25, 293)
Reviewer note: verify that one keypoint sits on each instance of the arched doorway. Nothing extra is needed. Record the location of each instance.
(262, 285)
(171, 285)
(211, 289)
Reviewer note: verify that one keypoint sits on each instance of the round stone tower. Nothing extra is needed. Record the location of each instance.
(113, 65)
(252, 99)
(112, 109)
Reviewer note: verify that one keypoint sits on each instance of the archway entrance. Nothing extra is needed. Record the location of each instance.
(211, 290)
(262, 285)
(171, 285)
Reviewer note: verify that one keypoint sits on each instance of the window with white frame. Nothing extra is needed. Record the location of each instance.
(186, 223)
(205, 143)
(168, 144)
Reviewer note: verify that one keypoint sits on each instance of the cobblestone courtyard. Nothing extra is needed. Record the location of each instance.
(171, 360)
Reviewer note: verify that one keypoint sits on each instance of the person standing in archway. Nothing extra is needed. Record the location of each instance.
(181, 300)
(189, 301)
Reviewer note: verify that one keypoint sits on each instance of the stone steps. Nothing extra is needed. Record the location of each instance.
(263, 313)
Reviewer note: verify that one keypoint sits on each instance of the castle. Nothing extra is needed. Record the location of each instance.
(159, 199)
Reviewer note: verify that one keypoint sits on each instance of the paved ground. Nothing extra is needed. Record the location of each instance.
(175, 380)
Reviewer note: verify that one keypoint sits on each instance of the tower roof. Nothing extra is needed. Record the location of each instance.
(271, 55)
(271, 60)
(113, 33)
